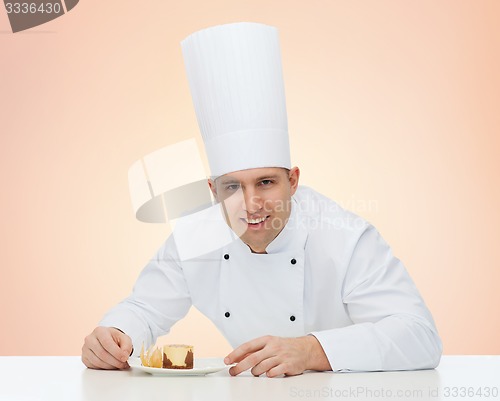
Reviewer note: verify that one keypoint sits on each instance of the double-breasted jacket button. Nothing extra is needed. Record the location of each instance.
(293, 261)
(227, 314)
(292, 318)
(226, 256)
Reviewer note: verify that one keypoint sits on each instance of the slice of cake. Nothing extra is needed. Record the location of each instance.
(178, 356)
(175, 356)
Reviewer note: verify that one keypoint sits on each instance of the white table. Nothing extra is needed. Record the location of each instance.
(66, 378)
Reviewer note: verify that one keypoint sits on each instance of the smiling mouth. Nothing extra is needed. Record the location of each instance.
(255, 221)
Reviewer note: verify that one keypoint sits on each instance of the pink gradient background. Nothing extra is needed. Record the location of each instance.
(393, 111)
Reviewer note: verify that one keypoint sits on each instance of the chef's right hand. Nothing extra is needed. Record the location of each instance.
(106, 348)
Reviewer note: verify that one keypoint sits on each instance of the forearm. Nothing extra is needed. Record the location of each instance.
(131, 322)
(394, 343)
(159, 299)
(317, 358)
(142, 322)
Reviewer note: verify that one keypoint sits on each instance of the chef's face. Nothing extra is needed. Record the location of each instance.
(256, 202)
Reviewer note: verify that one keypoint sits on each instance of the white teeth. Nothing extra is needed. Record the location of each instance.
(255, 221)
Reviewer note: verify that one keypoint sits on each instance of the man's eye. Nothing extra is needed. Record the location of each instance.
(266, 182)
(232, 187)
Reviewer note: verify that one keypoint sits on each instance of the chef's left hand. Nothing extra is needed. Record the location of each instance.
(277, 356)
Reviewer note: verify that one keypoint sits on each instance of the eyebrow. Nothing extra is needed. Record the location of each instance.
(229, 181)
(235, 181)
(268, 177)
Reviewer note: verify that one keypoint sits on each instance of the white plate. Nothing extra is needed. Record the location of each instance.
(201, 367)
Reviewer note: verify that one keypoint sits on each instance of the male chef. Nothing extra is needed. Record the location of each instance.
(293, 281)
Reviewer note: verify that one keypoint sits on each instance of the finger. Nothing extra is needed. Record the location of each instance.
(265, 365)
(245, 349)
(109, 341)
(124, 342)
(86, 362)
(250, 361)
(282, 369)
(95, 346)
(112, 341)
(93, 362)
(230, 363)
(99, 363)
(111, 358)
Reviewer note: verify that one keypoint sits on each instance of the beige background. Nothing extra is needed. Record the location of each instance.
(393, 111)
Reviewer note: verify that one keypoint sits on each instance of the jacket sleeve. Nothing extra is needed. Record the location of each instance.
(393, 329)
(159, 299)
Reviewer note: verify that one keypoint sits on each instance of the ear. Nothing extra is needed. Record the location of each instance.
(293, 177)
(213, 188)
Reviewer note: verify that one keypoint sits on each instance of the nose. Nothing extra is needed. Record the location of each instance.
(252, 201)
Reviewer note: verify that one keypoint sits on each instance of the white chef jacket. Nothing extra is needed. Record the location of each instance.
(328, 273)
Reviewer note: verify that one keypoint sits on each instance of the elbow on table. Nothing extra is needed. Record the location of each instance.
(422, 348)
(436, 352)
(431, 351)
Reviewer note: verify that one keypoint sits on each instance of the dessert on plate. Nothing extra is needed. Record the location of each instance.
(174, 356)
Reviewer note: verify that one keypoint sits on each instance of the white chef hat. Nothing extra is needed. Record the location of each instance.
(236, 83)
